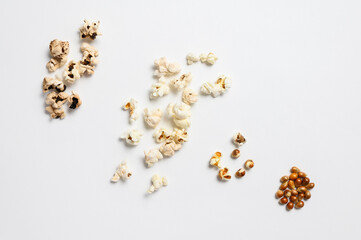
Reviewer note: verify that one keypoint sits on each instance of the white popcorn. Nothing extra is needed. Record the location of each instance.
(209, 58)
(162, 134)
(222, 84)
(182, 82)
(152, 157)
(89, 30)
(152, 118)
(132, 136)
(132, 106)
(182, 123)
(192, 58)
(122, 172)
(164, 68)
(223, 174)
(189, 96)
(159, 89)
(169, 147)
(157, 182)
(180, 112)
(72, 72)
(179, 135)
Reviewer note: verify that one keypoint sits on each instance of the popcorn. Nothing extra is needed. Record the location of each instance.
(72, 72)
(89, 30)
(180, 113)
(161, 135)
(179, 135)
(53, 84)
(59, 51)
(189, 96)
(132, 105)
(215, 160)
(209, 58)
(152, 157)
(164, 68)
(169, 147)
(157, 182)
(86, 65)
(238, 139)
(122, 172)
(192, 58)
(159, 89)
(182, 123)
(152, 118)
(181, 82)
(240, 172)
(74, 100)
(55, 112)
(132, 136)
(223, 174)
(56, 100)
(222, 84)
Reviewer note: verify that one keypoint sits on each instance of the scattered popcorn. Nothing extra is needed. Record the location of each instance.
(74, 100)
(238, 139)
(122, 172)
(189, 96)
(55, 112)
(216, 159)
(169, 147)
(56, 100)
(161, 135)
(223, 174)
(53, 84)
(192, 58)
(89, 30)
(222, 84)
(179, 135)
(152, 118)
(164, 68)
(159, 89)
(209, 58)
(59, 51)
(132, 105)
(87, 64)
(152, 157)
(157, 182)
(181, 82)
(182, 123)
(132, 136)
(240, 173)
(180, 112)
(72, 72)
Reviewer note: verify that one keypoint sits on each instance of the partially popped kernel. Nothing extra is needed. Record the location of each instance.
(159, 89)
(182, 81)
(223, 174)
(132, 106)
(132, 136)
(152, 117)
(161, 135)
(122, 172)
(238, 139)
(164, 68)
(152, 156)
(189, 96)
(157, 182)
(89, 30)
(192, 58)
(216, 159)
(209, 58)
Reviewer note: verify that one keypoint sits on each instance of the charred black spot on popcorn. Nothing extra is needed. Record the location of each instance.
(83, 36)
(71, 75)
(93, 36)
(71, 67)
(58, 99)
(74, 103)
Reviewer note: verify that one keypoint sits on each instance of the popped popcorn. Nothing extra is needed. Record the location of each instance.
(55, 63)
(238, 139)
(223, 174)
(56, 100)
(189, 96)
(157, 182)
(59, 51)
(179, 135)
(181, 82)
(182, 123)
(216, 159)
(55, 112)
(222, 84)
(122, 172)
(132, 106)
(89, 30)
(74, 100)
(89, 60)
(169, 147)
(192, 58)
(72, 72)
(152, 157)
(132, 136)
(180, 112)
(164, 68)
(152, 117)
(162, 134)
(53, 84)
(209, 58)
(159, 89)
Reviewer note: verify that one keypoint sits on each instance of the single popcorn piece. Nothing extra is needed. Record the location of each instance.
(192, 58)
(152, 117)
(122, 172)
(240, 173)
(209, 58)
(53, 84)
(189, 96)
(72, 73)
(216, 159)
(157, 182)
(56, 100)
(59, 51)
(74, 100)
(222, 84)
(169, 147)
(152, 157)
(55, 113)
(132, 136)
(238, 139)
(179, 136)
(180, 112)
(182, 82)
(164, 68)
(132, 106)
(159, 89)
(87, 64)
(161, 135)
(89, 30)
(223, 174)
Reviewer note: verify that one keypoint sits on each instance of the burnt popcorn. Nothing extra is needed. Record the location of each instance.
(74, 100)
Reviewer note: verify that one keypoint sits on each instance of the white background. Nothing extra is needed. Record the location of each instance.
(296, 76)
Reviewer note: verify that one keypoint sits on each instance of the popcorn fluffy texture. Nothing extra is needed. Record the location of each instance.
(89, 30)
(74, 100)
(152, 117)
(216, 159)
(157, 182)
(209, 58)
(122, 172)
(164, 68)
(189, 96)
(152, 157)
(182, 82)
(223, 174)
(169, 147)
(56, 100)
(53, 84)
(55, 112)
(72, 72)
(159, 89)
(87, 64)
(59, 51)
(132, 136)
(192, 58)
(132, 106)
(180, 112)
(222, 84)
(238, 139)
(179, 136)
(162, 134)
